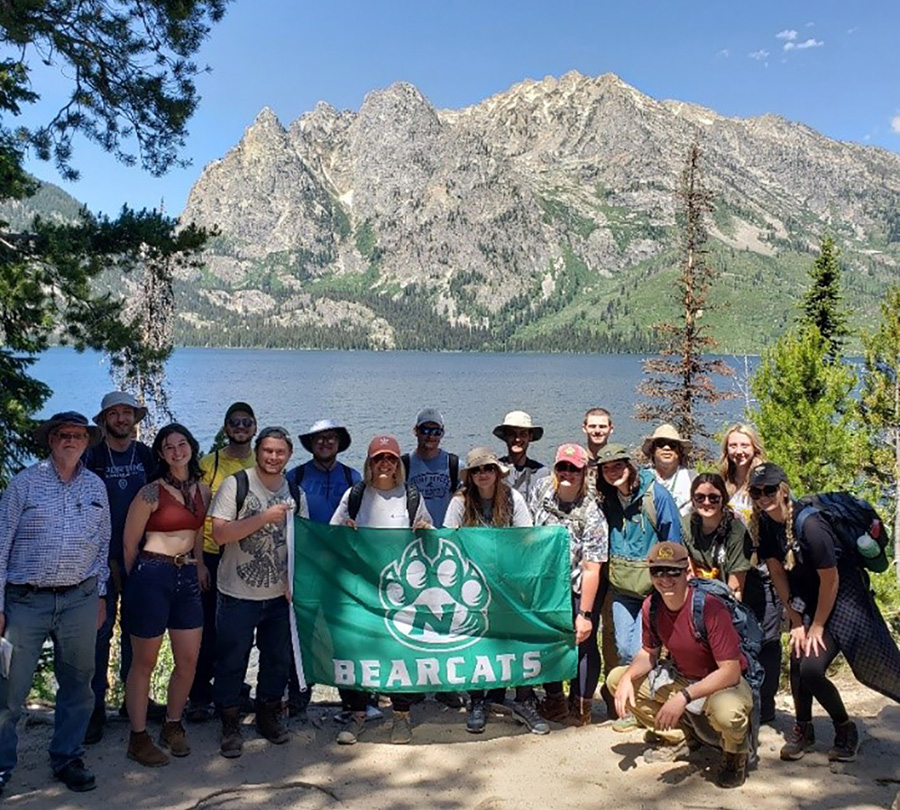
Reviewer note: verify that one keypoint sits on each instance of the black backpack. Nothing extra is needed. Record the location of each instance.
(354, 500)
(454, 469)
(849, 517)
(243, 487)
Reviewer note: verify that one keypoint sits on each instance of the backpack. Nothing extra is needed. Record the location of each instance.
(850, 517)
(743, 618)
(354, 500)
(301, 471)
(243, 487)
(454, 469)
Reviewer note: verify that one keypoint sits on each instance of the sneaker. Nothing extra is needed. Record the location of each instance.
(526, 712)
(734, 771)
(198, 712)
(625, 724)
(94, 732)
(663, 753)
(76, 777)
(401, 731)
(349, 736)
(802, 737)
(232, 744)
(846, 742)
(172, 738)
(144, 751)
(452, 700)
(476, 718)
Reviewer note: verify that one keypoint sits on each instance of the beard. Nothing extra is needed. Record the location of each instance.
(119, 432)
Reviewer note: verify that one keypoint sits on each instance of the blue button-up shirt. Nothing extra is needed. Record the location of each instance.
(53, 532)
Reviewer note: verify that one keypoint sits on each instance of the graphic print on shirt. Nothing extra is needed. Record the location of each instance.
(435, 603)
(264, 569)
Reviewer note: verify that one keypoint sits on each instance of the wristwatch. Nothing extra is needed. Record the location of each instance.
(585, 613)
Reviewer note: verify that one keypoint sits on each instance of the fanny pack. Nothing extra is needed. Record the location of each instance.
(629, 576)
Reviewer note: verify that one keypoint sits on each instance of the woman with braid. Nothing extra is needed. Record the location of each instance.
(163, 542)
(830, 608)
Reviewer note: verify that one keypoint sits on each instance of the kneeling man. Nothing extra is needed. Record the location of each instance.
(702, 690)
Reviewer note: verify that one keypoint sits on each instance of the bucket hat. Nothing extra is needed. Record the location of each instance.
(479, 457)
(114, 398)
(43, 431)
(518, 419)
(306, 439)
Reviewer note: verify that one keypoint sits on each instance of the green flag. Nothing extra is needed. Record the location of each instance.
(394, 610)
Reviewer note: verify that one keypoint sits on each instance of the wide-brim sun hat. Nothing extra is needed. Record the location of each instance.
(114, 398)
(665, 431)
(480, 457)
(42, 433)
(322, 426)
(518, 419)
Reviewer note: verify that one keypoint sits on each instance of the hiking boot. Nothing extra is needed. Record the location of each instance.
(803, 737)
(554, 708)
(144, 751)
(610, 701)
(94, 732)
(691, 741)
(525, 711)
(349, 736)
(268, 723)
(452, 700)
(625, 724)
(76, 777)
(579, 712)
(401, 732)
(476, 717)
(846, 742)
(662, 752)
(172, 738)
(297, 703)
(232, 744)
(734, 771)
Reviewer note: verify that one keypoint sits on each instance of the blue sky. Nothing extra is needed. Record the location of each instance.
(831, 65)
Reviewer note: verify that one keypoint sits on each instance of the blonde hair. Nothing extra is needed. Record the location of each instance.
(503, 505)
(790, 558)
(399, 473)
(582, 491)
(726, 465)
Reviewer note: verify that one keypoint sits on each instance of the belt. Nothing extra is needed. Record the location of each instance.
(27, 588)
(178, 560)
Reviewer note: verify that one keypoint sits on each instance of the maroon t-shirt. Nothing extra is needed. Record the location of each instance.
(693, 658)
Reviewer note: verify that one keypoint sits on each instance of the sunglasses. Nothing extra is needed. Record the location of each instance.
(241, 422)
(659, 444)
(66, 436)
(486, 468)
(381, 457)
(702, 497)
(667, 572)
(564, 466)
(430, 431)
(757, 492)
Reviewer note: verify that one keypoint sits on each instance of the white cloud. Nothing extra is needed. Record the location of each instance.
(810, 24)
(895, 124)
(802, 46)
(788, 33)
(758, 55)
(853, 30)
(724, 52)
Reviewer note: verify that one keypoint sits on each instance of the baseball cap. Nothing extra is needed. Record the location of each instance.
(384, 444)
(671, 555)
(767, 475)
(430, 415)
(573, 453)
(239, 406)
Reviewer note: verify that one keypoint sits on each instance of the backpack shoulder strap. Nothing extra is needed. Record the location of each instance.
(294, 487)
(299, 472)
(243, 487)
(212, 478)
(698, 603)
(354, 501)
(801, 517)
(404, 460)
(654, 612)
(413, 497)
(454, 472)
(648, 504)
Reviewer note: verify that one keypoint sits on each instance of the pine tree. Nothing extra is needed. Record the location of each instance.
(681, 381)
(880, 407)
(822, 306)
(805, 413)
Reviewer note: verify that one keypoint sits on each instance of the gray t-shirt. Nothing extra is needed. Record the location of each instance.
(432, 478)
(254, 568)
(380, 509)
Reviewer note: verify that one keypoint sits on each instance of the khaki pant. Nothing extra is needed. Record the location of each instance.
(726, 712)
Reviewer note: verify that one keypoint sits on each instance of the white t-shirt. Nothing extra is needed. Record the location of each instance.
(521, 513)
(679, 486)
(380, 509)
(254, 568)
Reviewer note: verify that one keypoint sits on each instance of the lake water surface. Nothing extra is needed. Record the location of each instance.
(373, 392)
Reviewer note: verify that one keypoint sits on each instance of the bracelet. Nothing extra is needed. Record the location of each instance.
(686, 695)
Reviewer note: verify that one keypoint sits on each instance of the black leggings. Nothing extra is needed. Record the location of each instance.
(585, 683)
(809, 680)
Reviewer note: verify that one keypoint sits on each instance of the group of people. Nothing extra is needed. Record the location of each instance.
(196, 546)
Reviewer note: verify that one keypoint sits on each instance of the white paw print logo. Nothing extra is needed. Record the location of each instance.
(434, 603)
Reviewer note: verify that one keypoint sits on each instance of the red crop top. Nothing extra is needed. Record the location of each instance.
(172, 515)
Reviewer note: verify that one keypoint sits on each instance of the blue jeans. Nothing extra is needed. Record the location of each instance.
(69, 619)
(104, 636)
(236, 620)
(626, 611)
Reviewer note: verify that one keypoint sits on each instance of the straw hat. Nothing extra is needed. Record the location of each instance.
(665, 431)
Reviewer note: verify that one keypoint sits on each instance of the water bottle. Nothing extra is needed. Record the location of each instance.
(867, 544)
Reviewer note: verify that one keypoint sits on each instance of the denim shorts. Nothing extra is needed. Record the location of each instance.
(160, 596)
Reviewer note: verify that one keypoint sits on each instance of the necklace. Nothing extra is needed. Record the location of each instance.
(123, 479)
